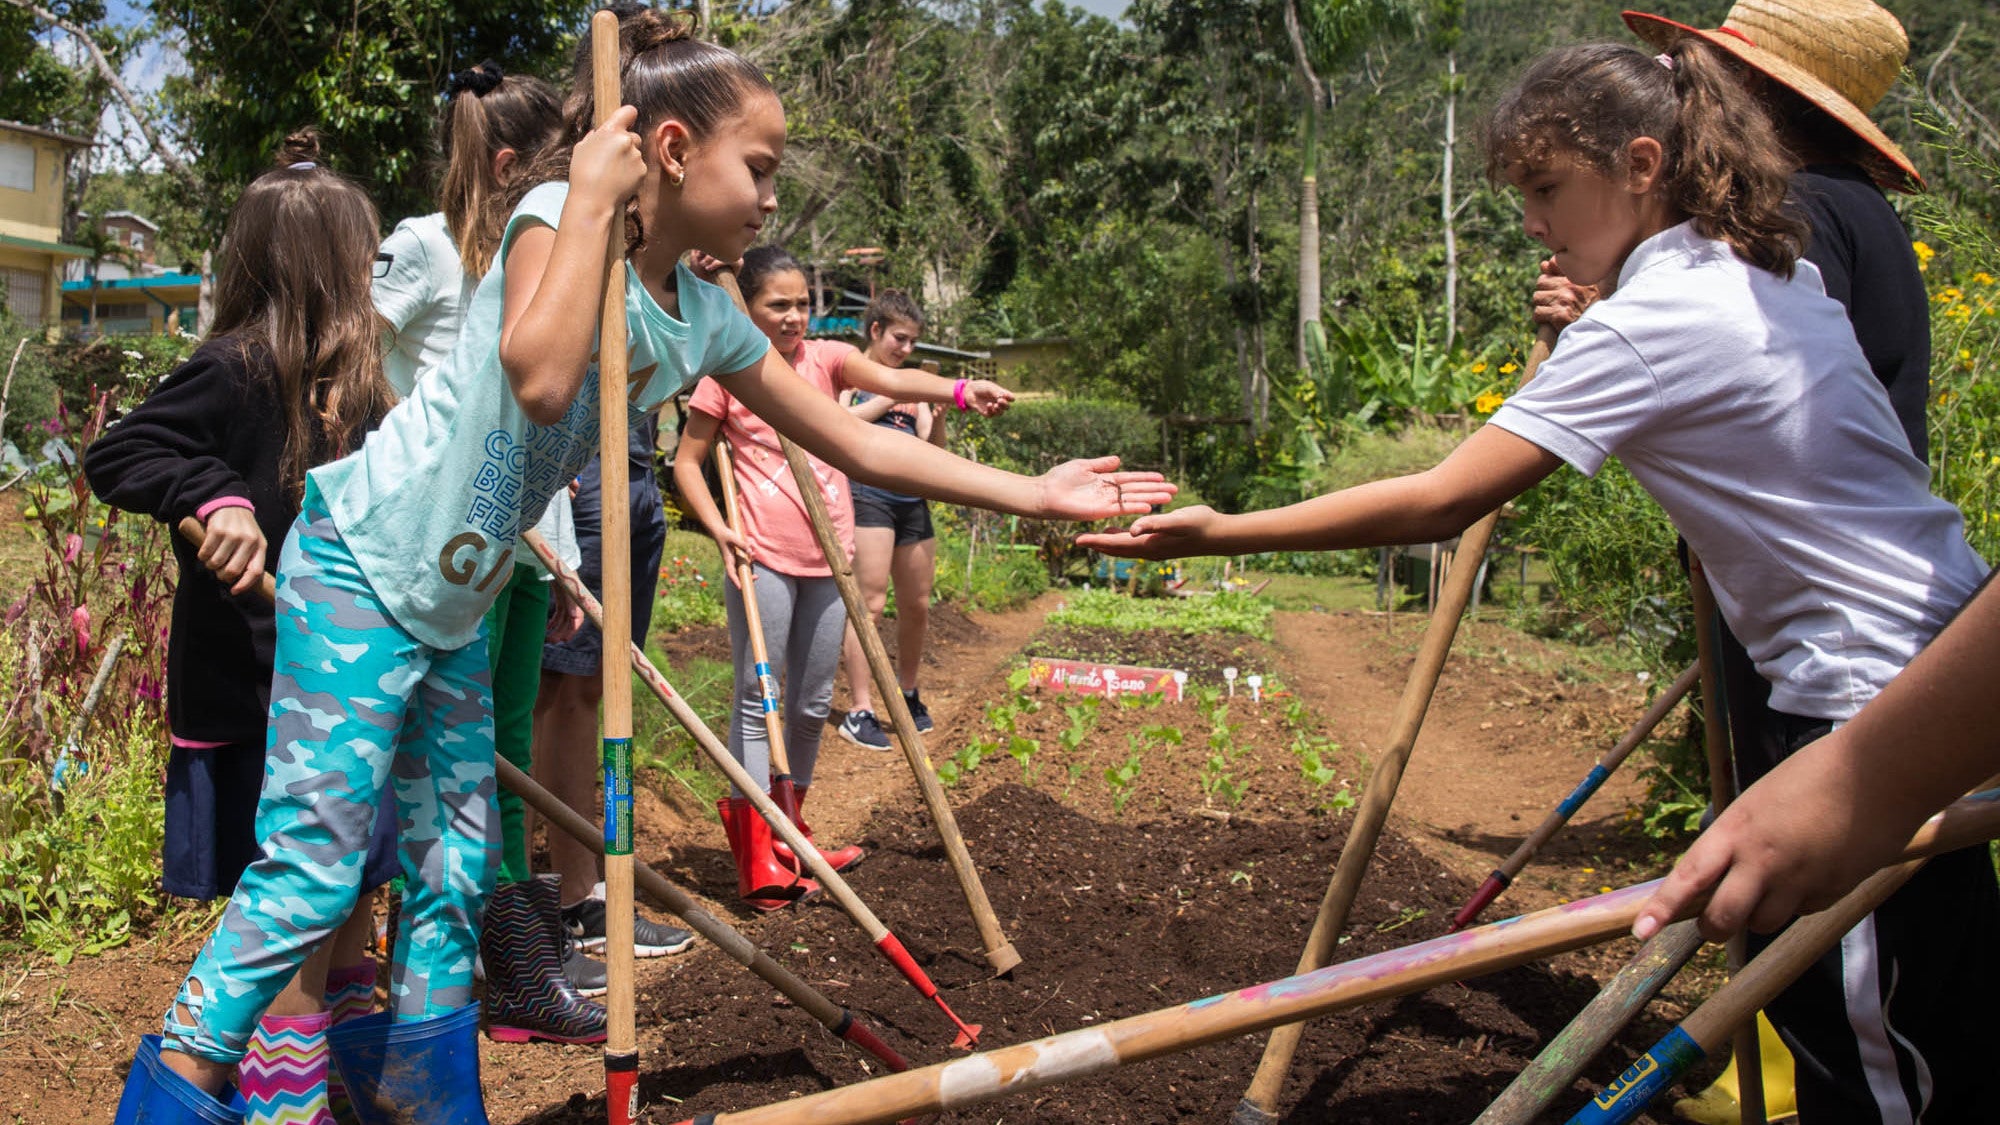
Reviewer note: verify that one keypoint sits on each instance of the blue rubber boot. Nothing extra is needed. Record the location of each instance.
(155, 1095)
(418, 1072)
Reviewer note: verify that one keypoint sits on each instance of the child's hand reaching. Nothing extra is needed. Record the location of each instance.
(606, 166)
(987, 397)
(1802, 836)
(233, 548)
(706, 266)
(1169, 535)
(1093, 489)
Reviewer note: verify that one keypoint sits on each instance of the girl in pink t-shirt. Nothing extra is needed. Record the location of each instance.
(803, 617)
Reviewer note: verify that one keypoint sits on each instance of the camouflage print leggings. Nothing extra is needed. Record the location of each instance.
(359, 709)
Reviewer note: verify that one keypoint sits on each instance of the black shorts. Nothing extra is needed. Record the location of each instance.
(581, 655)
(211, 823)
(911, 519)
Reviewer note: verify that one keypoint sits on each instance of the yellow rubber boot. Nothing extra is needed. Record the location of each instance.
(1717, 1105)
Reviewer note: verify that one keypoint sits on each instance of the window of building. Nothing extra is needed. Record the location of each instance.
(17, 165)
(138, 240)
(26, 291)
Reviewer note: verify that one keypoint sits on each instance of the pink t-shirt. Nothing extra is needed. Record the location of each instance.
(774, 517)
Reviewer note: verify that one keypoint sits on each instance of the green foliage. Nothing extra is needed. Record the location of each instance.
(659, 742)
(1225, 612)
(57, 382)
(995, 579)
(685, 597)
(369, 76)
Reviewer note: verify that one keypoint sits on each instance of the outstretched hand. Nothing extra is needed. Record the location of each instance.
(1793, 843)
(987, 397)
(1169, 535)
(1093, 489)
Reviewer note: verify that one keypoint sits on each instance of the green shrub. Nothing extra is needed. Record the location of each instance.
(689, 593)
(1038, 434)
(1226, 612)
(996, 578)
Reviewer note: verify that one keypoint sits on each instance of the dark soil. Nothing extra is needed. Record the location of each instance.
(1202, 656)
(1112, 921)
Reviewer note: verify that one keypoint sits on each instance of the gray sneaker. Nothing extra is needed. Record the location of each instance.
(585, 975)
(860, 728)
(919, 714)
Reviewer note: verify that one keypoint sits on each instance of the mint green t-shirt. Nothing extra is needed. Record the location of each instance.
(432, 504)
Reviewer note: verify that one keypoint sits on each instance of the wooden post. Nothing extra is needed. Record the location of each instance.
(1260, 1102)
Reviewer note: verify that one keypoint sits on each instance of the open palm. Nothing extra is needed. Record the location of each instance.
(1094, 489)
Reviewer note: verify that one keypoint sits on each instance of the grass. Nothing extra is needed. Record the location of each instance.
(1227, 612)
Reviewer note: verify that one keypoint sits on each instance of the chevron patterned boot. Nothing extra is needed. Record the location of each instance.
(527, 995)
(283, 1077)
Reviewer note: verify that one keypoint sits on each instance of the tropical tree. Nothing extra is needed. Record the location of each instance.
(1325, 35)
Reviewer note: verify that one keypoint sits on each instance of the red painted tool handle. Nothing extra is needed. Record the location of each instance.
(1488, 891)
(906, 965)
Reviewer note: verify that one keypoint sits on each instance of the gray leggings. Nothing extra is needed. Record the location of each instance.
(804, 623)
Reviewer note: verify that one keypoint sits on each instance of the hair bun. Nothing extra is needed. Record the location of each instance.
(649, 28)
(301, 146)
(480, 79)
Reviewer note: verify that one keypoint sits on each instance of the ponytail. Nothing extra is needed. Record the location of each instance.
(486, 112)
(1726, 169)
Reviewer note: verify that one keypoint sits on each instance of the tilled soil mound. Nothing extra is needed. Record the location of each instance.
(1111, 920)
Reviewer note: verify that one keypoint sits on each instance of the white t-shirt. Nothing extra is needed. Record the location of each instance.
(1742, 403)
(423, 295)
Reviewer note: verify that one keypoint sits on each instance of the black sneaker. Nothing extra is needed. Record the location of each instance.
(918, 712)
(584, 974)
(649, 938)
(860, 728)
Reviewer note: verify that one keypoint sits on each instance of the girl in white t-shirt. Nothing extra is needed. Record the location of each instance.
(382, 690)
(492, 126)
(1731, 386)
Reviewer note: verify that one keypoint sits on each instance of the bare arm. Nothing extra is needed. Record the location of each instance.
(697, 442)
(914, 384)
(1490, 468)
(555, 276)
(900, 463)
(875, 409)
(1834, 812)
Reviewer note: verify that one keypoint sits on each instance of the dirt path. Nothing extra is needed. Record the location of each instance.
(1514, 724)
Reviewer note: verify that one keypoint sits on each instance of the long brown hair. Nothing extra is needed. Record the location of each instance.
(1725, 168)
(486, 112)
(292, 291)
(664, 72)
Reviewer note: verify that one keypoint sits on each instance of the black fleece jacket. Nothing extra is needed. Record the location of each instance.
(211, 429)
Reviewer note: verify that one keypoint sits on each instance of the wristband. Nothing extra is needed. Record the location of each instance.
(958, 393)
(206, 510)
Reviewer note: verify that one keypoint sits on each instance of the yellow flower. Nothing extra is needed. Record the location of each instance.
(1479, 368)
(1924, 254)
(1983, 278)
(1950, 295)
(1509, 367)
(1488, 402)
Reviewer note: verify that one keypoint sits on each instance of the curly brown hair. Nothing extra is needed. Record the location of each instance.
(1725, 166)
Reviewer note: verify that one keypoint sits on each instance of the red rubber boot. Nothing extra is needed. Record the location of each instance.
(789, 798)
(763, 882)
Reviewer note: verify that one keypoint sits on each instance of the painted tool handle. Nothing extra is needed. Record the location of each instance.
(1503, 876)
(1000, 953)
(621, 1044)
(1713, 1025)
(1260, 1101)
(717, 753)
(1564, 1059)
(1721, 791)
(753, 616)
(719, 933)
(1383, 976)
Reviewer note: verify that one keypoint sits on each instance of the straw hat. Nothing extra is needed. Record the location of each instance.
(1840, 55)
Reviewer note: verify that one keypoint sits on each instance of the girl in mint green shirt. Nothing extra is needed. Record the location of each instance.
(382, 680)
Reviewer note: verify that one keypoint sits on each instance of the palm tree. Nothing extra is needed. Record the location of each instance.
(1326, 34)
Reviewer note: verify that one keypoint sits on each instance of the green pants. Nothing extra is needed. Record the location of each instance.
(515, 629)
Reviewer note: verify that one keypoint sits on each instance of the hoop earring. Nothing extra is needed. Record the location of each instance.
(678, 178)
